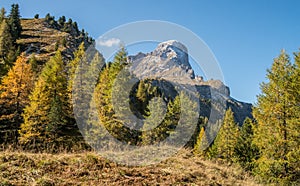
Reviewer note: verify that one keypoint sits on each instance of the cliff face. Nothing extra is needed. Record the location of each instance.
(169, 62)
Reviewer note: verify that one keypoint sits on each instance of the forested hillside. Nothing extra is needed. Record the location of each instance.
(45, 70)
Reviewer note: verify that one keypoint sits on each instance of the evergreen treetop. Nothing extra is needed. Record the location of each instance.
(15, 22)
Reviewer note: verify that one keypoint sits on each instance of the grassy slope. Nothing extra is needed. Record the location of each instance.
(19, 168)
(40, 39)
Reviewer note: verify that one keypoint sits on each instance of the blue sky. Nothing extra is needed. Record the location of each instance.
(244, 36)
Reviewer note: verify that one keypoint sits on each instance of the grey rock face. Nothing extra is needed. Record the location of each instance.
(169, 62)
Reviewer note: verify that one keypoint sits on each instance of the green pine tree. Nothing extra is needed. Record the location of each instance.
(227, 138)
(245, 151)
(151, 129)
(77, 67)
(179, 122)
(171, 119)
(277, 115)
(103, 98)
(62, 21)
(7, 49)
(81, 88)
(15, 22)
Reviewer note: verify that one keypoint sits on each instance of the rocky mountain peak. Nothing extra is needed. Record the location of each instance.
(169, 61)
(171, 49)
(174, 51)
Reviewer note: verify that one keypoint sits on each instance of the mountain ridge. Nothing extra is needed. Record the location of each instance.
(41, 38)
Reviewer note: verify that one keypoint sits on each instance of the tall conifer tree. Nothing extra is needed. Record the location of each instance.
(103, 98)
(6, 48)
(15, 22)
(245, 151)
(277, 115)
(227, 137)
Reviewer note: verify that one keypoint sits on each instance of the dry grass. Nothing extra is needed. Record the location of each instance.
(20, 168)
(34, 30)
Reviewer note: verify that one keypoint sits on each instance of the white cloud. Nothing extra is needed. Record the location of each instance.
(109, 42)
